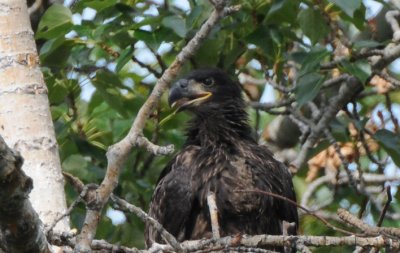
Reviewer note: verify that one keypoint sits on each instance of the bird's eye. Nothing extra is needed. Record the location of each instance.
(208, 82)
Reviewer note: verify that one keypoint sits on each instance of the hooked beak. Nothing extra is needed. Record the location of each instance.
(186, 93)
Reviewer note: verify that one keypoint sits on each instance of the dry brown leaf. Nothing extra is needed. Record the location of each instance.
(252, 91)
(382, 85)
(329, 158)
(335, 72)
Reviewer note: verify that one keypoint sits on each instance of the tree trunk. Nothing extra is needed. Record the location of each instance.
(25, 119)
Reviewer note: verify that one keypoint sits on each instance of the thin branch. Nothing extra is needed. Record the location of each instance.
(273, 105)
(390, 109)
(343, 159)
(159, 60)
(362, 138)
(390, 53)
(125, 206)
(395, 82)
(146, 66)
(279, 87)
(153, 148)
(76, 183)
(354, 57)
(335, 81)
(68, 212)
(367, 229)
(35, 6)
(212, 205)
(313, 186)
(385, 208)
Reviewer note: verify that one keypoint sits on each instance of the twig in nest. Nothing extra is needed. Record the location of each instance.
(212, 205)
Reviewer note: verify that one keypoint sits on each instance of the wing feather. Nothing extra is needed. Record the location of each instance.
(172, 199)
(273, 176)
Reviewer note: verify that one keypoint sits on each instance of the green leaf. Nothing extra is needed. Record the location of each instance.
(339, 129)
(56, 21)
(55, 52)
(390, 142)
(358, 45)
(76, 164)
(360, 69)
(125, 56)
(321, 146)
(58, 111)
(148, 37)
(57, 92)
(282, 11)
(358, 18)
(108, 85)
(308, 87)
(175, 23)
(260, 37)
(195, 17)
(310, 61)
(209, 52)
(313, 24)
(348, 6)
(95, 4)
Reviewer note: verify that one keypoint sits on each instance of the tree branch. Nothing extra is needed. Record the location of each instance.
(367, 229)
(255, 243)
(259, 241)
(385, 207)
(391, 19)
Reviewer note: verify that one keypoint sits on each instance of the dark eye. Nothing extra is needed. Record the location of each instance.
(208, 81)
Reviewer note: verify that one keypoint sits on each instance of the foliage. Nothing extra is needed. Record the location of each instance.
(119, 52)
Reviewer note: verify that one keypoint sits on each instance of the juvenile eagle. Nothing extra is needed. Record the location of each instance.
(221, 156)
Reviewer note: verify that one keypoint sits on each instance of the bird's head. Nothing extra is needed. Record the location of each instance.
(204, 89)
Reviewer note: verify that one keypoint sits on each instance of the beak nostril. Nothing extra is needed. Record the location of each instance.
(183, 83)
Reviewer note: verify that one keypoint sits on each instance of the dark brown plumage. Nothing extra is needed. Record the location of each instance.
(221, 156)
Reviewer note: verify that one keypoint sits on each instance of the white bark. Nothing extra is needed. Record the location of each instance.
(25, 119)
